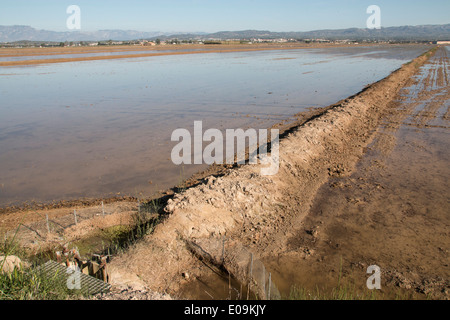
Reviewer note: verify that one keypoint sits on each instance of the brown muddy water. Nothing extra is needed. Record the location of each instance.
(97, 129)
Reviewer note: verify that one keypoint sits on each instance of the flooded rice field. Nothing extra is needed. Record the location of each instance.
(102, 128)
(72, 55)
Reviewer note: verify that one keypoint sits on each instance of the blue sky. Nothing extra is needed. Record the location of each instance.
(221, 15)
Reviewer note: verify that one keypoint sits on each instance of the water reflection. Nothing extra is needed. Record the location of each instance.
(97, 128)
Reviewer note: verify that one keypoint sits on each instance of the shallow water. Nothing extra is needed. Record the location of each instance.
(99, 128)
(87, 54)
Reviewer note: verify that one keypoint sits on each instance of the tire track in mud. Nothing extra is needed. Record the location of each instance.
(432, 100)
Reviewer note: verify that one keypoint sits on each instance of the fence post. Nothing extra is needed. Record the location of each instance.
(251, 275)
(264, 281)
(75, 215)
(48, 225)
(223, 250)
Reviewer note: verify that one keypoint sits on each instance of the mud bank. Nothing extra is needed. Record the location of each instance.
(241, 218)
(152, 52)
(145, 51)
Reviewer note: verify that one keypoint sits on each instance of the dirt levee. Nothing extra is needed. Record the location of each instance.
(245, 209)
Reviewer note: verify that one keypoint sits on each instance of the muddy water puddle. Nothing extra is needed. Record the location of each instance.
(216, 286)
(392, 211)
(102, 128)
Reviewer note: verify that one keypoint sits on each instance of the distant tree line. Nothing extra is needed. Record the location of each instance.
(212, 42)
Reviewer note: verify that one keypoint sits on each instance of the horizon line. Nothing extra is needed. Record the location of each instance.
(206, 32)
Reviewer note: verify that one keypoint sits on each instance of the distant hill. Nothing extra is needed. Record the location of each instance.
(421, 33)
(27, 33)
(425, 32)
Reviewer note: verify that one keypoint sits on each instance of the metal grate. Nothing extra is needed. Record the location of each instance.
(87, 284)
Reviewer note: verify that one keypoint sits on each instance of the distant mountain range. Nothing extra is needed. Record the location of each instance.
(420, 33)
(425, 32)
(27, 33)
